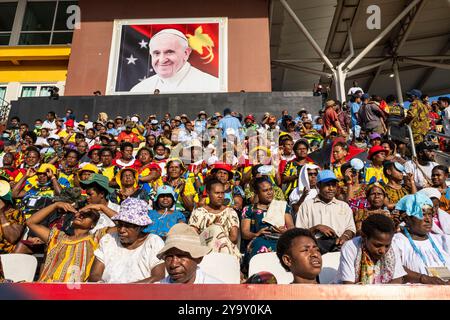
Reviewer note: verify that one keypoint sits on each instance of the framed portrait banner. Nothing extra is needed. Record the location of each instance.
(182, 55)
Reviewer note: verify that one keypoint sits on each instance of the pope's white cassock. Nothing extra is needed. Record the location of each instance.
(187, 79)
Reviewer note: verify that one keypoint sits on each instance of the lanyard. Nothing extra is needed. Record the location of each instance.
(416, 250)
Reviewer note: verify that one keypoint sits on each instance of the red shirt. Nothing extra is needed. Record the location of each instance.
(128, 137)
(329, 118)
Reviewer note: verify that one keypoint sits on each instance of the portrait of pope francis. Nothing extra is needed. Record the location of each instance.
(170, 51)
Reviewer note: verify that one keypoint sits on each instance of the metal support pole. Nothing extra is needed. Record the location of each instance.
(340, 83)
(368, 67)
(350, 46)
(413, 146)
(307, 34)
(398, 84)
(301, 68)
(427, 63)
(382, 34)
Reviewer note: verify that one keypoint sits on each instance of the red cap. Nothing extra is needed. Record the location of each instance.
(374, 150)
(70, 123)
(222, 166)
(250, 116)
(94, 147)
(2, 143)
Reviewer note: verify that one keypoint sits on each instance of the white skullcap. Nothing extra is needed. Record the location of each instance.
(174, 32)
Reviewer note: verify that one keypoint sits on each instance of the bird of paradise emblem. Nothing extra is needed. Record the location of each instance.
(201, 40)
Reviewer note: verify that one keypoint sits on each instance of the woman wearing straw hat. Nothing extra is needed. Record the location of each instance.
(184, 189)
(11, 220)
(129, 255)
(182, 254)
(128, 181)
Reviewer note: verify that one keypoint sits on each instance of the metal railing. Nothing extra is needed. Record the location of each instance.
(5, 107)
(411, 139)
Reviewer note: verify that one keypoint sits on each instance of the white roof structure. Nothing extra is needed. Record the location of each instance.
(414, 36)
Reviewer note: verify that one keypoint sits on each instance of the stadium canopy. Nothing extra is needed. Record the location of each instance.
(329, 42)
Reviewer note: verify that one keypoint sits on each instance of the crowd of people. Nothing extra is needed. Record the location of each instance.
(144, 199)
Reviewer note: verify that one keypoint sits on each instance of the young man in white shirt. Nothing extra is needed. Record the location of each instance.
(421, 170)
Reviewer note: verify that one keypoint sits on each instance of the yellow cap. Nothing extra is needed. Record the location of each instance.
(45, 166)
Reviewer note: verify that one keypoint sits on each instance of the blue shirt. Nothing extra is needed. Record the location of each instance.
(230, 122)
(162, 223)
(354, 107)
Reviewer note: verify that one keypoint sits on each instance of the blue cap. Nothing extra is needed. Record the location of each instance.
(365, 96)
(414, 92)
(357, 164)
(399, 167)
(165, 190)
(326, 176)
(412, 204)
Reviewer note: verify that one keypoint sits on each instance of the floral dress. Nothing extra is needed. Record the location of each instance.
(262, 243)
(216, 235)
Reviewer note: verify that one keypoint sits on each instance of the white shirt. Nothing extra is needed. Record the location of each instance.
(446, 120)
(187, 79)
(123, 265)
(49, 125)
(105, 221)
(412, 261)
(200, 278)
(40, 141)
(336, 214)
(419, 179)
(349, 251)
(352, 90)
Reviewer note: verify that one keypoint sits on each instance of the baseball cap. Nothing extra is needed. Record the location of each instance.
(326, 176)
(399, 167)
(177, 118)
(414, 92)
(202, 112)
(374, 136)
(425, 145)
(250, 116)
(365, 96)
(134, 119)
(154, 122)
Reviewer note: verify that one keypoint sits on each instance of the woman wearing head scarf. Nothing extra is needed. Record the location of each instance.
(424, 255)
(370, 258)
(306, 188)
(441, 219)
